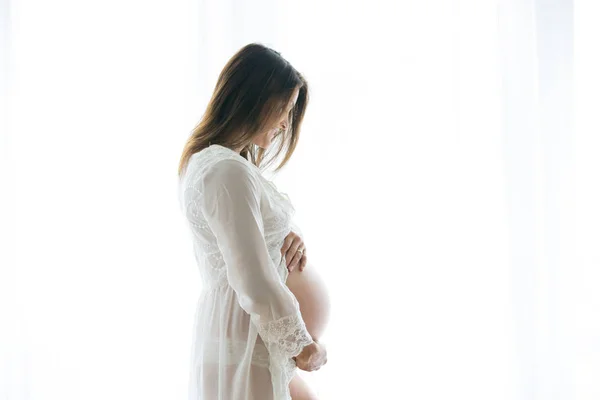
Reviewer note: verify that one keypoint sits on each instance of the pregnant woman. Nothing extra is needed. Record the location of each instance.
(263, 308)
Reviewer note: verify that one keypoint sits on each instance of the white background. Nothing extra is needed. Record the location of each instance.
(447, 183)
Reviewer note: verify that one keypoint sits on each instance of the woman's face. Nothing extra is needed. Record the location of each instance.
(265, 139)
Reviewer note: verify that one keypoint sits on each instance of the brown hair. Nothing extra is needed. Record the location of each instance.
(253, 89)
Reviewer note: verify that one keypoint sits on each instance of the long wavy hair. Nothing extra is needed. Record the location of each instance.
(251, 93)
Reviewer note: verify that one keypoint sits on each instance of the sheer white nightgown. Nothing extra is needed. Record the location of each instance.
(248, 324)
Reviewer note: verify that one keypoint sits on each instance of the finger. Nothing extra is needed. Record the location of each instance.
(295, 261)
(303, 262)
(287, 242)
(291, 267)
(291, 253)
(293, 249)
(289, 239)
(298, 262)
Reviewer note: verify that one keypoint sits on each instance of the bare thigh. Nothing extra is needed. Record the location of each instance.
(299, 389)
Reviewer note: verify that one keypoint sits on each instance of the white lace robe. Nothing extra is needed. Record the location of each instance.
(248, 324)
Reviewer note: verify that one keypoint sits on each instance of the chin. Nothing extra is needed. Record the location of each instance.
(264, 144)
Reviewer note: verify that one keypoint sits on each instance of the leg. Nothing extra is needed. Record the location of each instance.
(300, 390)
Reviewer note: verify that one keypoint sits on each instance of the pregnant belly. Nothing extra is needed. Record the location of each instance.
(311, 292)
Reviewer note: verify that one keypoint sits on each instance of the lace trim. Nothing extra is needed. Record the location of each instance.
(286, 336)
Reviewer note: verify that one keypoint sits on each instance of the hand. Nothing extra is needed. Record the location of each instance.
(293, 258)
(312, 357)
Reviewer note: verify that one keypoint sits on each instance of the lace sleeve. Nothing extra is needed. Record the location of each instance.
(231, 206)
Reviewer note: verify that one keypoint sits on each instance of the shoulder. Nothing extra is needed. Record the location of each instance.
(228, 167)
(218, 162)
(229, 184)
(232, 174)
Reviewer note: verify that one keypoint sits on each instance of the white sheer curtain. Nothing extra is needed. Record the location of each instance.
(446, 183)
(582, 269)
(536, 57)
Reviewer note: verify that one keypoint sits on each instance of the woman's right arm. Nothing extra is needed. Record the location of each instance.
(231, 206)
